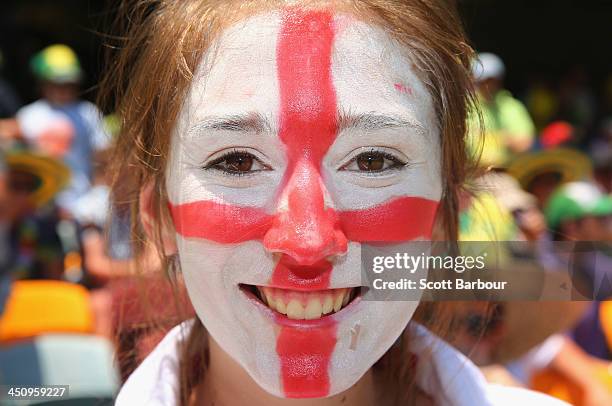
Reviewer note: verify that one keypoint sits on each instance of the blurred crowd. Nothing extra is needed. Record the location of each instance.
(66, 264)
(545, 181)
(67, 268)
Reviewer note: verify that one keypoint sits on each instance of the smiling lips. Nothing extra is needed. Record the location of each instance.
(302, 305)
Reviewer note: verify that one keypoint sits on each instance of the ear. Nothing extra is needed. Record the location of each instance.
(149, 223)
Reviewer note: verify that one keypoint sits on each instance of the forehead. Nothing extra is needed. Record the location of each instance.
(370, 71)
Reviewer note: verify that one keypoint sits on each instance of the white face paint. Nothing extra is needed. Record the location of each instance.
(286, 157)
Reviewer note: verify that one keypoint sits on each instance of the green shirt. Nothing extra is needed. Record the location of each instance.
(504, 119)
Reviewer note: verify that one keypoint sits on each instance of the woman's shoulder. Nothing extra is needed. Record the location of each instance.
(452, 379)
(155, 382)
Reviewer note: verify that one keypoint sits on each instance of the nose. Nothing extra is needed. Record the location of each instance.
(304, 228)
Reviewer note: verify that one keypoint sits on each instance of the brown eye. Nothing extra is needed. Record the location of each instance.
(374, 161)
(237, 163)
(370, 161)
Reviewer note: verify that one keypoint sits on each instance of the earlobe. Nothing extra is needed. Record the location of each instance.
(149, 222)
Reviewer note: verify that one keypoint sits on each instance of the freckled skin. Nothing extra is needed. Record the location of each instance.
(310, 220)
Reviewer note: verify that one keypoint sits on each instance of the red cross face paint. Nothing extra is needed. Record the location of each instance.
(293, 149)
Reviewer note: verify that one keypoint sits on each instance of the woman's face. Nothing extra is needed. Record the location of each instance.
(305, 136)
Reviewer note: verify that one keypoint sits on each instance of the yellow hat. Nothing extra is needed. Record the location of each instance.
(51, 174)
(57, 63)
(570, 164)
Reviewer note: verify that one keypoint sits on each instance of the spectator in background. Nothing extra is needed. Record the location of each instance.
(523, 206)
(35, 247)
(107, 255)
(579, 212)
(60, 123)
(508, 128)
(542, 172)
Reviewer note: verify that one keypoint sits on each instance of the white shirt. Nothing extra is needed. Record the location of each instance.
(442, 372)
(81, 123)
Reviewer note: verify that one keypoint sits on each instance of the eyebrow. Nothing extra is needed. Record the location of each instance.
(251, 122)
(372, 121)
(258, 123)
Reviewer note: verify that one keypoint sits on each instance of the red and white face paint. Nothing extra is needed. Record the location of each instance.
(305, 135)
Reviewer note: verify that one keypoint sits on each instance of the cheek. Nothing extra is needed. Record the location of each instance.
(402, 219)
(224, 265)
(219, 222)
(211, 273)
(204, 265)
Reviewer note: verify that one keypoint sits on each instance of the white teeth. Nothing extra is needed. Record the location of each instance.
(281, 307)
(328, 304)
(346, 298)
(313, 309)
(268, 297)
(304, 305)
(338, 300)
(295, 310)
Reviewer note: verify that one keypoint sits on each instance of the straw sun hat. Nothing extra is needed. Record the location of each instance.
(47, 175)
(570, 164)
